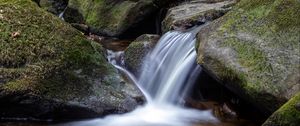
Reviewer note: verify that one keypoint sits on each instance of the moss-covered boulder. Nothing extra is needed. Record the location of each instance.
(50, 70)
(109, 17)
(54, 6)
(137, 51)
(196, 12)
(287, 115)
(255, 51)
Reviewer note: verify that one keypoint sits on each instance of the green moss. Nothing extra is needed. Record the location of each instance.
(45, 53)
(263, 36)
(248, 55)
(137, 51)
(118, 12)
(279, 13)
(134, 55)
(103, 14)
(108, 17)
(287, 115)
(256, 63)
(266, 22)
(45, 4)
(263, 15)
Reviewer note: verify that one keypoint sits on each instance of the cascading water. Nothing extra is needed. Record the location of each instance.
(165, 80)
(166, 70)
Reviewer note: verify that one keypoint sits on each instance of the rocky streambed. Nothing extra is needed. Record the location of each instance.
(50, 70)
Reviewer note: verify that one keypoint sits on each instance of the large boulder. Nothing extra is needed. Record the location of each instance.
(196, 12)
(287, 115)
(254, 50)
(49, 70)
(109, 17)
(137, 51)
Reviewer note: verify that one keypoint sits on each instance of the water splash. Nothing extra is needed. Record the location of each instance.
(152, 115)
(167, 75)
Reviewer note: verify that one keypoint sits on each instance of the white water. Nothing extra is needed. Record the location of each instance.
(61, 15)
(166, 70)
(167, 75)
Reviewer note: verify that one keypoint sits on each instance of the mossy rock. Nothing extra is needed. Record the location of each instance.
(193, 13)
(137, 51)
(287, 115)
(48, 69)
(109, 17)
(254, 50)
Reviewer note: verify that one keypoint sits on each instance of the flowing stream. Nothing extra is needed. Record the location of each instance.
(167, 76)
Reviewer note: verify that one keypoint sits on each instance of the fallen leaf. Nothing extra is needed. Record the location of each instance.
(16, 34)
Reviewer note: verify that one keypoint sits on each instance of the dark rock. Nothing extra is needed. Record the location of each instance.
(51, 71)
(137, 51)
(54, 6)
(81, 27)
(297, 106)
(254, 51)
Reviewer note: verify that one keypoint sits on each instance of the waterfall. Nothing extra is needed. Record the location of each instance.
(167, 75)
(166, 70)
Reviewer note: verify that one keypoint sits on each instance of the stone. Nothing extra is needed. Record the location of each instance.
(51, 71)
(109, 17)
(54, 6)
(287, 115)
(254, 51)
(137, 51)
(193, 13)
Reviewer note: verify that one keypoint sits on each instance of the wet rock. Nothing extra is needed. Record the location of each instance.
(109, 17)
(254, 51)
(54, 6)
(287, 115)
(51, 71)
(137, 50)
(196, 12)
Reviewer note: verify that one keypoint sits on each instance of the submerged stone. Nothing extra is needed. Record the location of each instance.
(49, 70)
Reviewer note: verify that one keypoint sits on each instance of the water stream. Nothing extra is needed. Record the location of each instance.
(167, 75)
